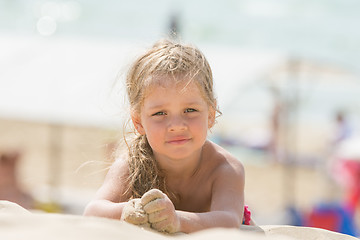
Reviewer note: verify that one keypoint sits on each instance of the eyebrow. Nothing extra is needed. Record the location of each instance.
(194, 103)
(159, 106)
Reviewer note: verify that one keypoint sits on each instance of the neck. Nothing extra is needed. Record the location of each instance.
(180, 169)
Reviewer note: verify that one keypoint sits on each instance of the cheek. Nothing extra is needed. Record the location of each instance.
(155, 141)
(154, 132)
(200, 124)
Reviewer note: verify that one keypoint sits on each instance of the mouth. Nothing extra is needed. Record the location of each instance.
(179, 141)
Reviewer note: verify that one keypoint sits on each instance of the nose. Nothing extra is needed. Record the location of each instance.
(176, 123)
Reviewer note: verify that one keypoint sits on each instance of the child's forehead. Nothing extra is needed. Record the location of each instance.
(180, 83)
(184, 89)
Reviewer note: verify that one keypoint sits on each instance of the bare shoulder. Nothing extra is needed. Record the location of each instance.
(224, 161)
(114, 185)
(120, 168)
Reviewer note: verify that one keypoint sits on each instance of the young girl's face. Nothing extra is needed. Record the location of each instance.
(175, 120)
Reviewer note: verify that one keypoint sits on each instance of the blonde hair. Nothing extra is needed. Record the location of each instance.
(181, 63)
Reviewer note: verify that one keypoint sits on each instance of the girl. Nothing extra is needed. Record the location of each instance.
(172, 177)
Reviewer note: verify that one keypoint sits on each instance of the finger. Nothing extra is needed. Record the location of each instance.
(160, 226)
(157, 216)
(154, 206)
(151, 195)
(171, 228)
(164, 226)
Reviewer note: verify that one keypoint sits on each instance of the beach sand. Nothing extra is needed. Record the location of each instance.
(18, 223)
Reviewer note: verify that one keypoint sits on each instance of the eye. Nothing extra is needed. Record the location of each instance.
(159, 114)
(188, 110)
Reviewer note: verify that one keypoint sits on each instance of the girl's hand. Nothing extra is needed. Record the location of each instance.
(161, 211)
(134, 213)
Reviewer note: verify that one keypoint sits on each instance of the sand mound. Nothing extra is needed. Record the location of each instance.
(18, 223)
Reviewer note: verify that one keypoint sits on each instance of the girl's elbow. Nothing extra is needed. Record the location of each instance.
(235, 221)
(90, 209)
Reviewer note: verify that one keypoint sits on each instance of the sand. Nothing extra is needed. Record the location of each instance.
(18, 223)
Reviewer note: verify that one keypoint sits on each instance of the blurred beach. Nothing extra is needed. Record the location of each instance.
(62, 103)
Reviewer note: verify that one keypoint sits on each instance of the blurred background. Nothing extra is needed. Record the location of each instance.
(286, 76)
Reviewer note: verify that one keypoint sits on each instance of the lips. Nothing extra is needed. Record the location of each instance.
(178, 141)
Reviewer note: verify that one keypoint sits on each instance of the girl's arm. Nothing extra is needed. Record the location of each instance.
(110, 199)
(227, 204)
(104, 208)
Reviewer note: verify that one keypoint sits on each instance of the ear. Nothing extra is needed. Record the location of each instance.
(136, 120)
(211, 117)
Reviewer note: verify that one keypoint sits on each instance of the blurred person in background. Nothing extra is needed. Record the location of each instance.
(9, 186)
